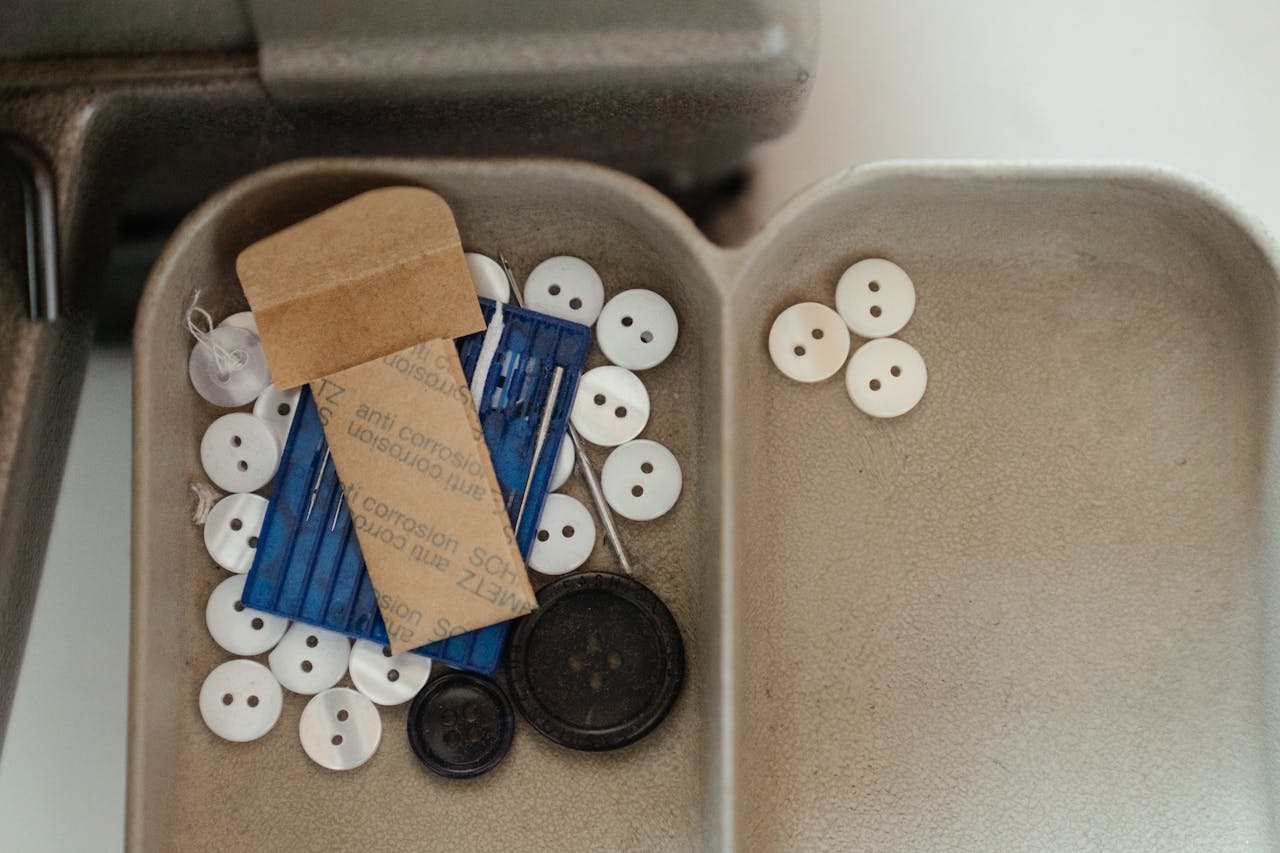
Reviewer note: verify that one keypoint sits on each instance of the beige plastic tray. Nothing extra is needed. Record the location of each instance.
(1034, 613)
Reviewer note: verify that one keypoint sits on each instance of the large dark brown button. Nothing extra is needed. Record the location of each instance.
(599, 664)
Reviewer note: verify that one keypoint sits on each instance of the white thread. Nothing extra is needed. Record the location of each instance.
(488, 349)
(206, 497)
(226, 361)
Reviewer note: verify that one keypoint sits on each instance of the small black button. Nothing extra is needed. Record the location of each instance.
(599, 664)
(460, 725)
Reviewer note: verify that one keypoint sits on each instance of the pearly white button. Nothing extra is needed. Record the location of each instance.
(565, 287)
(886, 377)
(240, 700)
(231, 530)
(309, 659)
(239, 629)
(809, 342)
(277, 408)
(243, 374)
(876, 298)
(563, 469)
(241, 320)
(641, 480)
(340, 729)
(488, 276)
(566, 535)
(386, 678)
(239, 452)
(611, 406)
(637, 329)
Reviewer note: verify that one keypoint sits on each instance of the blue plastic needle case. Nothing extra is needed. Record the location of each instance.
(308, 564)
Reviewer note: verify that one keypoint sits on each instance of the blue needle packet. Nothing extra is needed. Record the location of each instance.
(308, 564)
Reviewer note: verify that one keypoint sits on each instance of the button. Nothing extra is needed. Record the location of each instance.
(232, 528)
(239, 452)
(611, 406)
(240, 700)
(488, 276)
(241, 320)
(599, 664)
(309, 659)
(565, 287)
(566, 535)
(340, 729)
(277, 408)
(637, 329)
(809, 342)
(238, 629)
(886, 377)
(386, 678)
(222, 386)
(461, 725)
(563, 469)
(641, 480)
(875, 297)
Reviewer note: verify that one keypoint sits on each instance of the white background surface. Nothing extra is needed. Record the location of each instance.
(1192, 84)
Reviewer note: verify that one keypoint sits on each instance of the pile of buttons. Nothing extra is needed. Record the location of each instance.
(875, 298)
(599, 663)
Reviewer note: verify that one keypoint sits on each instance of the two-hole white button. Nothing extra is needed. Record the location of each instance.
(886, 377)
(611, 406)
(239, 629)
(876, 298)
(386, 678)
(340, 729)
(240, 700)
(277, 408)
(809, 342)
(309, 659)
(231, 530)
(488, 276)
(565, 287)
(239, 452)
(566, 535)
(229, 368)
(641, 480)
(637, 329)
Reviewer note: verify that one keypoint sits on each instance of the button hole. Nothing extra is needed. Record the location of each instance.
(227, 699)
(242, 465)
(393, 675)
(312, 641)
(799, 351)
(575, 303)
(554, 290)
(252, 701)
(567, 531)
(817, 334)
(306, 666)
(620, 412)
(256, 624)
(342, 715)
(543, 536)
(236, 441)
(895, 370)
(637, 491)
(627, 321)
(598, 399)
(283, 410)
(875, 384)
(336, 740)
(873, 286)
(646, 467)
(239, 605)
(875, 311)
(236, 524)
(646, 337)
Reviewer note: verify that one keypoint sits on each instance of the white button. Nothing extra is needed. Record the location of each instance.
(239, 452)
(240, 700)
(277, 409)
(231, 530)
(875, 298)
(641, 480)
(241, 320)
(637, 329)
(566, 535)
(886, 377)
(386, 678)
(239, 629)
(612, 406)
(563, 469)
(565, 287)
(809, 342)
(488, 276)
(309, 659)
(223, 386)
(340, 729)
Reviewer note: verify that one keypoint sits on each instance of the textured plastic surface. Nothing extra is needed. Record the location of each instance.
(1038, 611)
(311, 569)
(599, 664)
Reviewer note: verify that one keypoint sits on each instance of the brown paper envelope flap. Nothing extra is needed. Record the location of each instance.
(371, 276)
